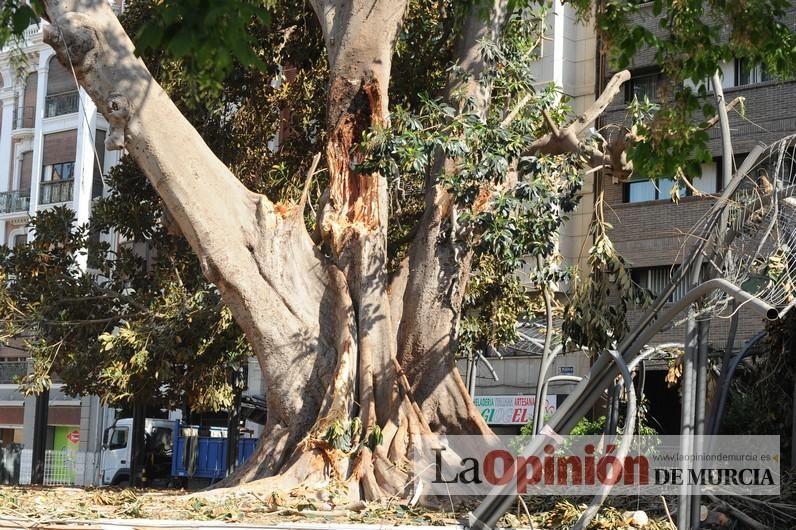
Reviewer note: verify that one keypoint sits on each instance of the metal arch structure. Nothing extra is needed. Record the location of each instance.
(728, 372)
(747, 243)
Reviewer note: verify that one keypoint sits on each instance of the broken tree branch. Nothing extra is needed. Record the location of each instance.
(566, 140)
(731, 105)
(738, 514)
(550, 123)
(601, 103)
(515, 111)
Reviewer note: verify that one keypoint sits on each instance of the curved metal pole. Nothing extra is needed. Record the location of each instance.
(700, 397)
(694, 384)
(644, 355)
(713, 217)
(624, 444)
(729, 346)
(541, 388)
(589, 389)
(729, 369)
(642, 382)
(612, 418)
(538, 407)
(488, 366)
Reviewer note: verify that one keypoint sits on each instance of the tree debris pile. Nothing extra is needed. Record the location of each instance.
(53, 506)
(31, 506)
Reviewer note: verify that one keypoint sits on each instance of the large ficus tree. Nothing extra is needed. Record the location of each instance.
(356, 342)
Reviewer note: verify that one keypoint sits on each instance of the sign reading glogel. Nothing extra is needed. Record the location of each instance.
(511, 410)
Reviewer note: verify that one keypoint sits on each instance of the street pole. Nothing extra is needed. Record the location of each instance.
(137, 450)
(233, 423)
(40, 437)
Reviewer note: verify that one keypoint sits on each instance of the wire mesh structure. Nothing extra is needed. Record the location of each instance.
(751, 236)
(60, 468)
(741, 254)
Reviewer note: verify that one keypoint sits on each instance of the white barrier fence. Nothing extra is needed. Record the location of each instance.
(63, 468)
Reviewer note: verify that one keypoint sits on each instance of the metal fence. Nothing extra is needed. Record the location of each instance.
(59, 104)
(60, 468)
(14, 201)
(24, 117)
(55, 191)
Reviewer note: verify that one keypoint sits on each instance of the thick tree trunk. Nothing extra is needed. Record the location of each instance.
(290, 302)
(436, 271)
(334, 338)
(359, 38)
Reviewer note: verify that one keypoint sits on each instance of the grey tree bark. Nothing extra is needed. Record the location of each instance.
(321, 328)
(336, 338)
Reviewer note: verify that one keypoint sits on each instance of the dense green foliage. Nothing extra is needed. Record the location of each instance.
(509, 204)
(132, 329)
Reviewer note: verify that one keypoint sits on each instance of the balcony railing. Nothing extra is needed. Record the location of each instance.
(56, 191)
(59, 104)
(31, 30)
(26, 37)
(24, 117)
(14, 201)
(11, 371)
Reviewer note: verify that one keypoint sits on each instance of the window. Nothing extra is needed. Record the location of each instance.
(711, 180)
(643, 86)
(656, 279)
(650, 190)
(661, 189)
(747, 73)
(99, 162)
(20, 240)
(118, 438)
(57, 181)
(60, 104)
(60, 171)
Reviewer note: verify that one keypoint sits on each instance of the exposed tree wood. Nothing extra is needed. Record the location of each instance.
(738, 514)
(567, 140)
(337, 339)
(242, 242)
(359, 38)
(729, 106)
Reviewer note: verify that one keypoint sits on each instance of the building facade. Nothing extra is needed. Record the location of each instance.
(51, 153)
(652, 232)
(568, 58)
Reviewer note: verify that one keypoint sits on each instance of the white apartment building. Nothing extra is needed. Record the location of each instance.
(51, 153)
(568, 58)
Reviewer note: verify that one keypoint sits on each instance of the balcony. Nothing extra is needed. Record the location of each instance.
(31, 31)
(56, 191)
(10, 372)
(24, 118)
(28, 36)
(16, 201)
(60, 104)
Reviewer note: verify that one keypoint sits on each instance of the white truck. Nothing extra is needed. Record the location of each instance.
(174, 453)
(117, 445)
